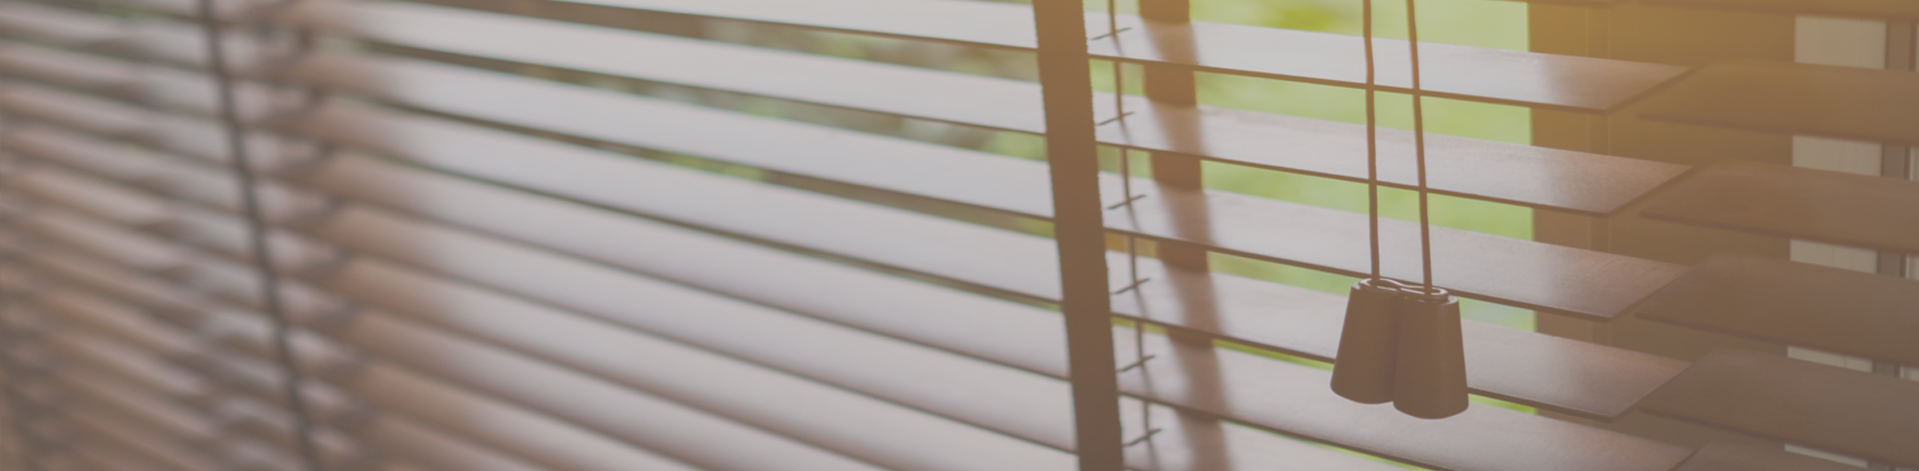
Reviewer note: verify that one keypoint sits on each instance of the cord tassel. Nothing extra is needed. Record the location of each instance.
(1368, 347)
(1402, 344)
(1430, 382)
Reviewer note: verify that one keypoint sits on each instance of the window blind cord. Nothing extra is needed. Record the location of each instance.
(1132, 243)
(1419, 149)
(242, 166)
(1372, 134)
(1125, 160)
(1119, 73)
(1119, 76)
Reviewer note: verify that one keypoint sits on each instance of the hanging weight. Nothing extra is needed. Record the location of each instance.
(1431, 378)
(1364, 370)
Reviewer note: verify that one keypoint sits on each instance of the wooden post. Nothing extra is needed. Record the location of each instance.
(1065, 75)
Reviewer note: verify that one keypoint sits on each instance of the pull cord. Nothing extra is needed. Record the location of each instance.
(1372, 136)
(1419, 143)
(257, 229)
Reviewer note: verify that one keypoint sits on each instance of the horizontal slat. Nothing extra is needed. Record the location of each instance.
(1880, 9)
(590, 333)
(562, 447)
(1580, 182)
(1536, 177)
(189, 427)
(1259, 390)
(1800, 203)
(1560, 435)
(430, 131)
(123, 320)
(54, 24)
(1470, 73)
(401, 437)
(1786, 97)
(406, 439)
(556, 445)
(1831, 309)
(98, 391)
(1476, 265)
(1511, 173)
(1342, 400)
(717, 328)
(170, 42)
(1545, 81)
(553, 450)
(466, 308)
(127, 361)
(124, 435)
(742, 394)
(151, 437)
(1597, 381)
(1837, 409)
(1729, 455)
(943, 379)
(112, 460)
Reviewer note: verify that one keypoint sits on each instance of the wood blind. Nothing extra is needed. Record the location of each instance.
(503, 239)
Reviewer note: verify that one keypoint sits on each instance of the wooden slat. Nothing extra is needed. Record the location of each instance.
(1295, 400)
(1474, 265)
(1785, 97)
(1876, 9)
(957, 21)
(1518, 174)
(566, 449)
(1436, 443)
(717, 330)
(58, 24)
(161, 408)
(159, 40)
(1800, 203)
(1537, 177)
(1597, 285)
(1548, 372)
(1249, 449)
(1252, 451)
(107, 392)
(112, 460)
(1545, 81)
(1617, 283)
(126, 360)
(558, 445)
(1832, 408)
(1531, 176)
(942, 378)
(1600, 382)
(1626, 377)
(949, 383)
(122, 433)
(855, 425)
(1249, 313)
(1729, 455)
(415, 442)
(1548, 81)
(1432, 450)
(1831, 309)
